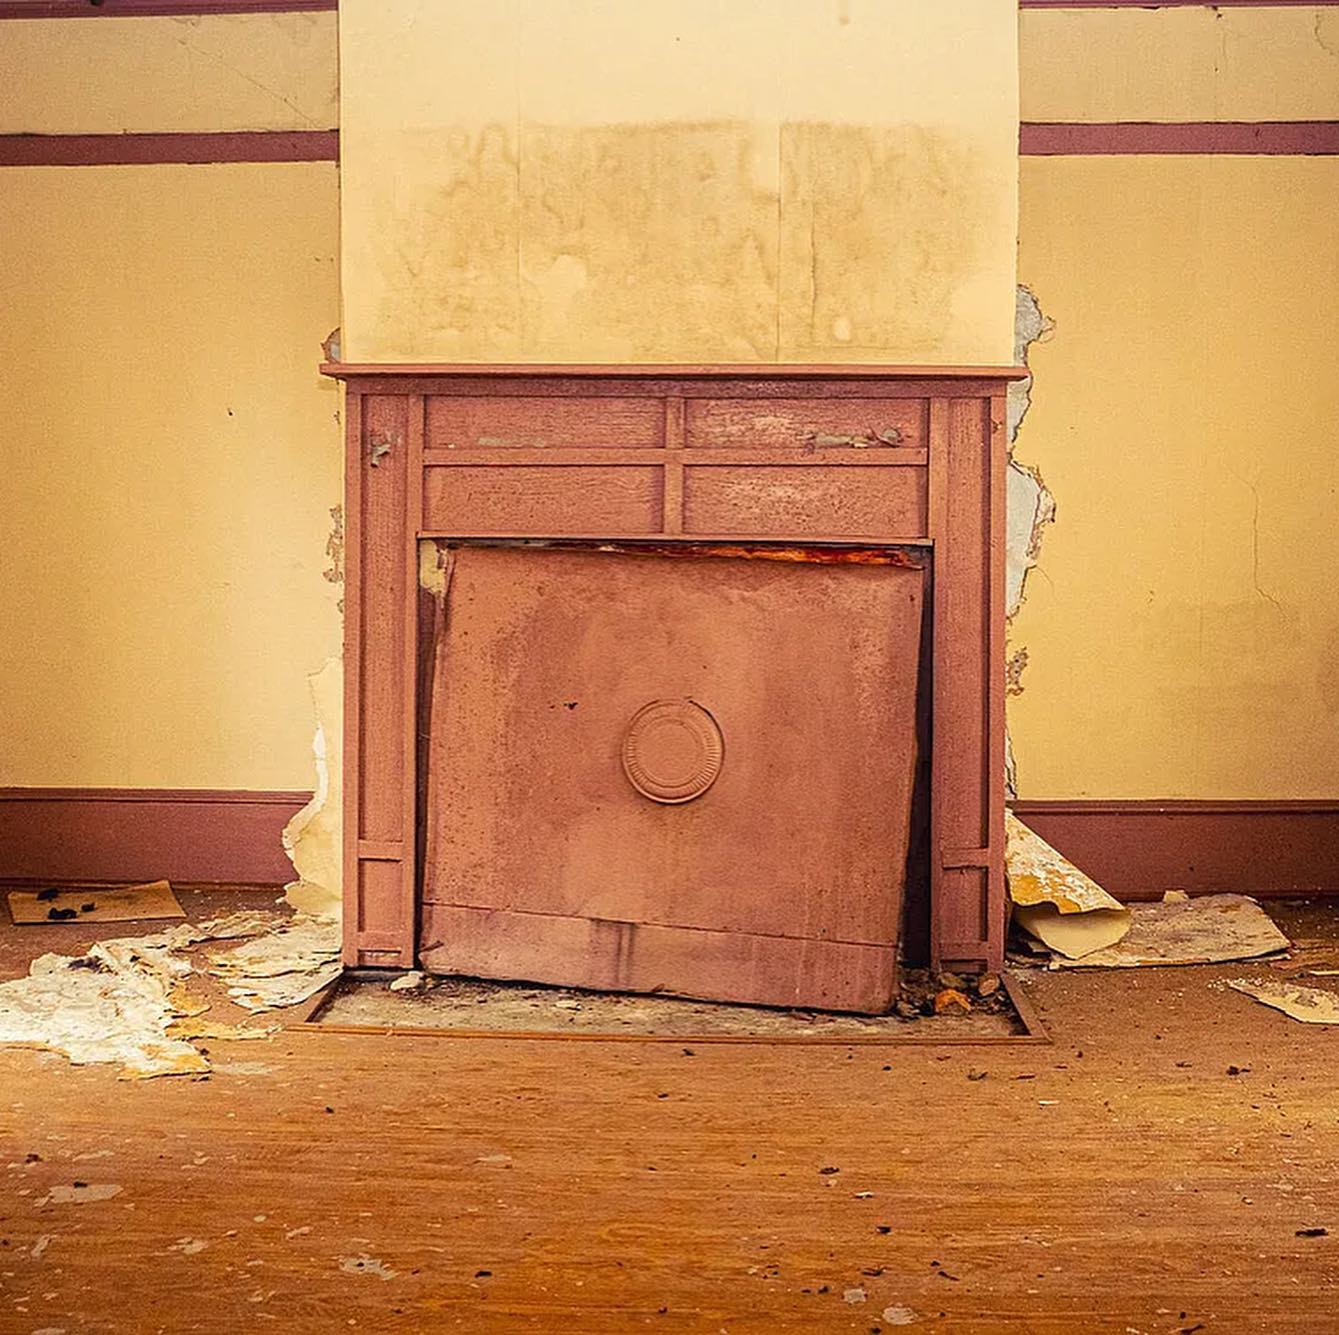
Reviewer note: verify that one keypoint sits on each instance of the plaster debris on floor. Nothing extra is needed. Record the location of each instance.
(282, 967)
(137, 1001)
(466, 1005)
(1311, 1005)
(129, 903)
(1209, 929)
(1053, 901)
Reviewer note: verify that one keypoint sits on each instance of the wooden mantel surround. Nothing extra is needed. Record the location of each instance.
(858, 456)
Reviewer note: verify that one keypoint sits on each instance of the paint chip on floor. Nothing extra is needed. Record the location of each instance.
(80, 1193)
(1311, 1005)
(365, 1265)
(1210, 929)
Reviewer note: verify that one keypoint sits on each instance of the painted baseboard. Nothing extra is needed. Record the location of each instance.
(1139, 849)
(142, 834)
(1136, 849)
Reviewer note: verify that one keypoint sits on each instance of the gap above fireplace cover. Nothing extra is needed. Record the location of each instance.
(687, 773)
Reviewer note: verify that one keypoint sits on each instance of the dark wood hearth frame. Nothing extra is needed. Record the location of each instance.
(945, 482)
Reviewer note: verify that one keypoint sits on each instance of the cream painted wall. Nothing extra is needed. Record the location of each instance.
(1182, 628)
(171, 455)
(218, 72)
(678, 180)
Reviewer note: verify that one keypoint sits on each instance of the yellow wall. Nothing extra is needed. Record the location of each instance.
(1191, 63)
(219, 72)
(678, 180)
(173, 456)
(1182, 629)
(171, 453)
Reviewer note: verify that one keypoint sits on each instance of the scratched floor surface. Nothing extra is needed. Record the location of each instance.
(1164, 1167)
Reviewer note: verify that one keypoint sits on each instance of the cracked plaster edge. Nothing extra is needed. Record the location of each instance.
(1029, 506)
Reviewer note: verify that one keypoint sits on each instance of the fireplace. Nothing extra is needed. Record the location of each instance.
(638, 660)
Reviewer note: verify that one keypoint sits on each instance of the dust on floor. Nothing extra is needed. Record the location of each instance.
(1168, 1166)
(471, 1005)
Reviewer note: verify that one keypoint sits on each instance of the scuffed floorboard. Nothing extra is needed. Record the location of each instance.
(1120, 1181)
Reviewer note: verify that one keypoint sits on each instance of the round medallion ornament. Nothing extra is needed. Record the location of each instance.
(672, 751)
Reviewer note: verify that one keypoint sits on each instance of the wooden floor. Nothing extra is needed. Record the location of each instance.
(1122, 1180)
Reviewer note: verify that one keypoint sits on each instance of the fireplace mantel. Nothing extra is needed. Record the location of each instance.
(857, 456)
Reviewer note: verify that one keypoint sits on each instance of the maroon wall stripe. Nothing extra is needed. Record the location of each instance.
(1036, 139)
(91, 9)
(1298, 138)
(144, 834)
(107, 150)
(1139, 850)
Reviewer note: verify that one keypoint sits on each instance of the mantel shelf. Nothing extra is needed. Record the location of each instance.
(676, 371)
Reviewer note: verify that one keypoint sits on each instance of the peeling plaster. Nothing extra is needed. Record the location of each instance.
(313, 838)
(1029, 506)
(334, 547)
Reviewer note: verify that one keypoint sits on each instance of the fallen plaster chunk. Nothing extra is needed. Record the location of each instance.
(1054, 901)
(283, 967)
(245, 922)
(126, 1001)
(408, 982)
(1311, 1005)
(1212, 929)
(312, 839)
(93, 1010)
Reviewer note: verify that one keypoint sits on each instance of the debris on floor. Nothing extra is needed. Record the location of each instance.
(409, 982)
(1311, 1005)
(1314, 956)
(95, 1009)
(465, 1005)
(80, 1193)
(282, 967)
(1054, 901)
(127, 1000)
(1210, 929)
(130, 903)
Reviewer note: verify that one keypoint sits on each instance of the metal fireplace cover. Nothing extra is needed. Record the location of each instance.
(684, 773)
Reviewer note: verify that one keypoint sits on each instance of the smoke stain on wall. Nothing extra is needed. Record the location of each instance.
(689, 241)
(451, 245)
(878, 226)
(652, 240)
